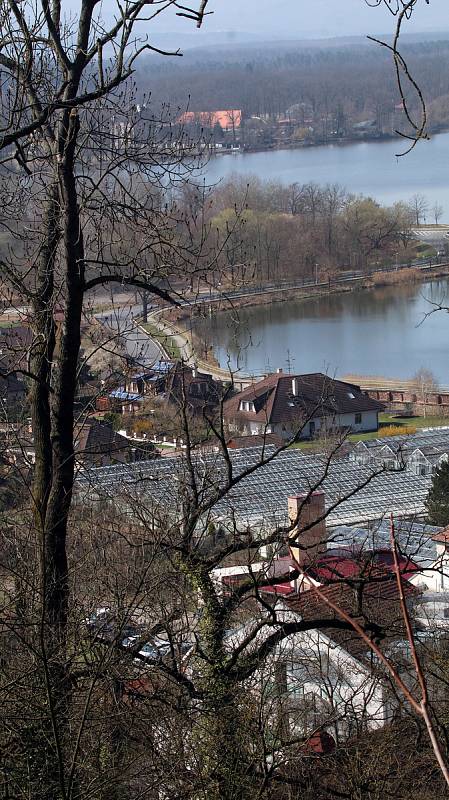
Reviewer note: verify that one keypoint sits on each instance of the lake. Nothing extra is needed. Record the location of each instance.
(377, 332)
(369, 168)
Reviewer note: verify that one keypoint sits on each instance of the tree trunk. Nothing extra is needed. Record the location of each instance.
(224, 740)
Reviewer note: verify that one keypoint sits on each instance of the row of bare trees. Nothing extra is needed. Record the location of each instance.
(304, 231)
(325, 88)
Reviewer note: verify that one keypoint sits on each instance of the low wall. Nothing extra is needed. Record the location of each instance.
(401, 399)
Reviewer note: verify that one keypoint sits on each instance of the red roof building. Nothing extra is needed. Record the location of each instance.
(228, 119)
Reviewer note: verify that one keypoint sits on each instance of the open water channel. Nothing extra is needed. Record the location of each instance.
(379, 332)
(369, 168)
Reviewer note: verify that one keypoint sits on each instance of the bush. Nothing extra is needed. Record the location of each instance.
(398, 430)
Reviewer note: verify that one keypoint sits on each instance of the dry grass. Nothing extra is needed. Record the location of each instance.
(411, 275)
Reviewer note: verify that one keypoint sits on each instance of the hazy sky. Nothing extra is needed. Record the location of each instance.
(311, 18)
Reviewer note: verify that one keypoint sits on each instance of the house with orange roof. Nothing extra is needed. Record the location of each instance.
(228, 119)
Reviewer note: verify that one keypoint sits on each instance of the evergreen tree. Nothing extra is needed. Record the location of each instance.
(437, 503)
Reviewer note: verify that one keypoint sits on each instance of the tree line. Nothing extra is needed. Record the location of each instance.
(328, 88)
(275, 231)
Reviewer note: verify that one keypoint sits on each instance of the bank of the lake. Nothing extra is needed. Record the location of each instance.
(384, 331)
(368, 168)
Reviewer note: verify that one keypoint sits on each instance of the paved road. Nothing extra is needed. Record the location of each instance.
(138, 345)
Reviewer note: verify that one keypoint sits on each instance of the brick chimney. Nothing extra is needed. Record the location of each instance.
(312, 542)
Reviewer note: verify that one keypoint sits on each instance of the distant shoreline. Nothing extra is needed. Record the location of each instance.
(341, 142)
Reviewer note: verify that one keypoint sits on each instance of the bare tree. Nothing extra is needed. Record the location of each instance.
(425, 384)
(437, 212)
(78, 159)
(420, 207)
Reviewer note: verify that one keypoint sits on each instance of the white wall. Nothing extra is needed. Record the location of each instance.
(369, 423)
(342, 682)
(318, 666)
(436, 578)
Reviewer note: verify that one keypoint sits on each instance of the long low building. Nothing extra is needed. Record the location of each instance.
(355, 493)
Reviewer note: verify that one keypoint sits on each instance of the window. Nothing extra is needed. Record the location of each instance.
(246, 405)
(358, 419)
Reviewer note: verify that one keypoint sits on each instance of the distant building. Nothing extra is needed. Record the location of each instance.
(326, 673)
(15, 344)
(284, 404)
(198, 391)
(228, 119)
(12, 395)
(97, 444)
(170, 382)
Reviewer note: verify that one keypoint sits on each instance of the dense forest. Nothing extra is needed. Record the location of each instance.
(330, 88)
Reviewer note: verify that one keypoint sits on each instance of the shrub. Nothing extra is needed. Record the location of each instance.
(398, 430)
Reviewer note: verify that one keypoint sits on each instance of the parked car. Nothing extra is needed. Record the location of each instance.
(99, 618)
(155, 649)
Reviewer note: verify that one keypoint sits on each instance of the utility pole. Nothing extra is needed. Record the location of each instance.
(289, 362)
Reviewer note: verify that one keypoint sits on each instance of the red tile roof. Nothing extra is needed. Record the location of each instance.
(320, 743)
(333, 568)
(282, 589)
(373, 603)
(442, 536)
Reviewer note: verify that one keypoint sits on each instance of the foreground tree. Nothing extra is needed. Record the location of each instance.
(84, 207)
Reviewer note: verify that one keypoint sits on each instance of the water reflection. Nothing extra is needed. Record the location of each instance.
(381, 332)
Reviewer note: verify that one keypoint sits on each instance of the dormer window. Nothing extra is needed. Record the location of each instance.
(246, 405)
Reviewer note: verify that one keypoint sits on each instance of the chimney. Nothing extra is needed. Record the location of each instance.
(305, 509)
(279, 370)
(295, 387)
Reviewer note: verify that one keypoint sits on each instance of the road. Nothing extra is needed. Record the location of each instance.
(120, 321)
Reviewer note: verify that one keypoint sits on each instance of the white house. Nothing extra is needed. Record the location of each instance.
(302, 405)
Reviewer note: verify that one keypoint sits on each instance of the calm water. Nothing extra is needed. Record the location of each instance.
(368, 168)
(379, 332)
